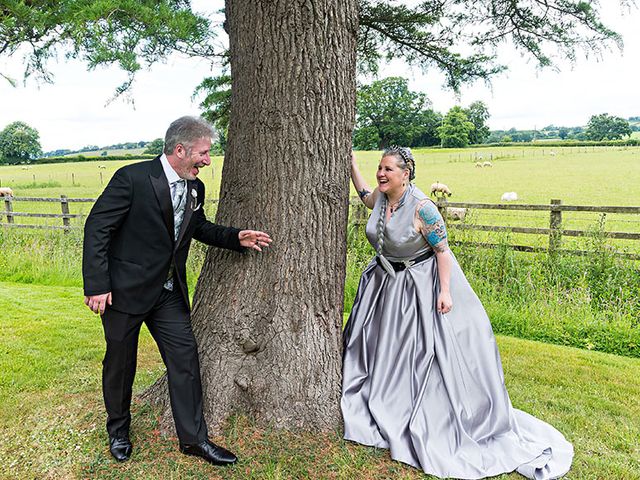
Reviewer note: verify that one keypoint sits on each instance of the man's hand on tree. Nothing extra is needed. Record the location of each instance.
(254, 239)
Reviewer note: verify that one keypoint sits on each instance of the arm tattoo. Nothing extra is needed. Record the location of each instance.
(432, 226)
(364, 193)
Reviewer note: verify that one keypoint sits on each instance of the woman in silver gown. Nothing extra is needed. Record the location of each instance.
(422, 375)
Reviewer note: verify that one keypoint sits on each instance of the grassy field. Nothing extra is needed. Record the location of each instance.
(52, 419)
(117, 151)
(576, 175)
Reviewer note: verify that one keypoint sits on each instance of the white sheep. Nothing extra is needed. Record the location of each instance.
(552, 153)
(26, 167)
(454, 213)
(440, 190)
(478, 165)
(102, 167)
(487, 164)
(6, 192)
(509, 197)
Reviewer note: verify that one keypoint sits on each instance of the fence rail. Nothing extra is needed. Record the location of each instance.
(554, 232)
(64, 214)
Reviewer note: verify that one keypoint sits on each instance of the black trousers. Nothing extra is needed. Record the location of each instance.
(170, 325)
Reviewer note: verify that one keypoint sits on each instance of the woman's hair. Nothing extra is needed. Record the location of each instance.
(404, 157)
(186, 131)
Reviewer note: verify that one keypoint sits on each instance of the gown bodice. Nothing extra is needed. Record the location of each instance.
(401, 239)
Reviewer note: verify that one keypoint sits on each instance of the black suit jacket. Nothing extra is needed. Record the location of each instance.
(129, 237)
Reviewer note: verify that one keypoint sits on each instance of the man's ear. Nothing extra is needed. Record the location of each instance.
(179, 151)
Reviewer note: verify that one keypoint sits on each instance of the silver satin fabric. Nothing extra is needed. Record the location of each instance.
(430, 387)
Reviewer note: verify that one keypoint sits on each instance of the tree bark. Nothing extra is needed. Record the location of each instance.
(269, 325)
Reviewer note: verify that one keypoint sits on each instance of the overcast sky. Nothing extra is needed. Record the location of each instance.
(75, 111)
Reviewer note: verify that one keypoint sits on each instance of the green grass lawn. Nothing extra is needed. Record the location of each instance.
(51, 414)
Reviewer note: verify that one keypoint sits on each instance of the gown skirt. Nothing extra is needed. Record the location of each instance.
(430, 387)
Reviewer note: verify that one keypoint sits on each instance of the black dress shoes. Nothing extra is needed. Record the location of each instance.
(211, 452)
(120, 448)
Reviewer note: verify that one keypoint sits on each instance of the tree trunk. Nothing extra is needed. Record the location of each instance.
(269, 325)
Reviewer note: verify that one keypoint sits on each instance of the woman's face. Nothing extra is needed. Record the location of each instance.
(390, 176)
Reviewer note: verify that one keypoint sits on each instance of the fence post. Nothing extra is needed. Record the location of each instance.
(442, 208)
(555, 225)
(8, 208)
(65, 211)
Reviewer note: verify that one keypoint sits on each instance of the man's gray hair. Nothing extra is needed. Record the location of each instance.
(186, 131)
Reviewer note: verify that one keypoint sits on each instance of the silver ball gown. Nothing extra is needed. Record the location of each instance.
(430, 386)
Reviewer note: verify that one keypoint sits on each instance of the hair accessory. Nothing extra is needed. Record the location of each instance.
(406, 156)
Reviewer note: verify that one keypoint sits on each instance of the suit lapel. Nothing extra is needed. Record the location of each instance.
(163, 194)
(188, 209)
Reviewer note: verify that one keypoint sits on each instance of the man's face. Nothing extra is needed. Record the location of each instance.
(190, 161)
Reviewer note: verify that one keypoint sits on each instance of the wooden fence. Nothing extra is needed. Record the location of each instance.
(554, 232)
(64, 214)
(10, 214)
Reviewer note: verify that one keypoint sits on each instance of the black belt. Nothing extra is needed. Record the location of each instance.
(399, 266)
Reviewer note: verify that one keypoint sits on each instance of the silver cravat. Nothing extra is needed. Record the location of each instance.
(179, 201)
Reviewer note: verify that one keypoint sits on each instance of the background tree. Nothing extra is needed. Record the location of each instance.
(269, 328)
(390, 113)
(154, 147)
(478, 114)
(19, 143)
(563, 132)
(366, 138)
(429, 121)
(216, 105)
(387, 113)
(607, 127)
(455, 129)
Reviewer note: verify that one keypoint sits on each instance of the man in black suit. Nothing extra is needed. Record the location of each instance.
(136, 241)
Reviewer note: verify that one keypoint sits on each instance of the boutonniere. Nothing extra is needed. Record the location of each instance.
(195, 206)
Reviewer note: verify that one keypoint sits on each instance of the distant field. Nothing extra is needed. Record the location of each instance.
(576, 175)
(98, 153)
